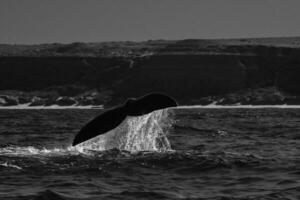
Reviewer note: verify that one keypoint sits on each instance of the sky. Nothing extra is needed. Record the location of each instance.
(65, 21)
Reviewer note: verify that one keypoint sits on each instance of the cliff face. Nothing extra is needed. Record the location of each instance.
(184, 76)
(190, 77)
(39, 73)
(188, 70)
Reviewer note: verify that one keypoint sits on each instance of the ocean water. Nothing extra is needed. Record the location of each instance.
(182, 153)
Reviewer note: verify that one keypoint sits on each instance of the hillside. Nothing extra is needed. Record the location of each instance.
(247, 71)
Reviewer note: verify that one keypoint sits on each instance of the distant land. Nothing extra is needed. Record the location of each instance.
(256, 71)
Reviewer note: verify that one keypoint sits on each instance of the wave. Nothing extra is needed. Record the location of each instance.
(33, 151)
(237, 106)
(212, 106)
(72, 159)
(7, 164)
(285, 193)
(143, 133)
(26, 106)
(48, 194)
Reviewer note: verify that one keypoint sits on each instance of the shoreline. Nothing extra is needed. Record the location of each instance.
(26, 107)
(211, 106)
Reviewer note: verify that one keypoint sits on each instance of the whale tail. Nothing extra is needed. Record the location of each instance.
(110, 119)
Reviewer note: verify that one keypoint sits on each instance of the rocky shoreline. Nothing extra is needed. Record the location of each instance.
(195, 72)
(15, 98)
(259, 96)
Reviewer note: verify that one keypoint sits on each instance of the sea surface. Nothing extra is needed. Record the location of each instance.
(182, 153)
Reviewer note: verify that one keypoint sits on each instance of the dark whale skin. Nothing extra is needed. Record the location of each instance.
(110, 119)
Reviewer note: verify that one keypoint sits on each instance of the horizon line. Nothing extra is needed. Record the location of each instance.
(141, 41)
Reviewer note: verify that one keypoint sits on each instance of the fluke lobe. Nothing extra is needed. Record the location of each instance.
(111, 118)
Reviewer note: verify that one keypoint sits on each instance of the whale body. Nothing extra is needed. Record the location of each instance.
(111, 118)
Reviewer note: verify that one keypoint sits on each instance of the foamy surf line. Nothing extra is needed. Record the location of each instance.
(213, 106)
(49, 107)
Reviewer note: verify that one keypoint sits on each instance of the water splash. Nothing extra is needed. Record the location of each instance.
(143, 133)
(34, 151)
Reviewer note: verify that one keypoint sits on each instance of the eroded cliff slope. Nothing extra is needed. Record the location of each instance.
(247, 71)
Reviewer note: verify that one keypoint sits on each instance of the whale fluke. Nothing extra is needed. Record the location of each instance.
(110, 119)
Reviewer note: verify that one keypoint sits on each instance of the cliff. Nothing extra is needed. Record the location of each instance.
(247, 71)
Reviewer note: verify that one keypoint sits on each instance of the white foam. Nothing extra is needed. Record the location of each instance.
(6, 164)
(26, 106)
(32, 151)
(143, 133)
(214, 106)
